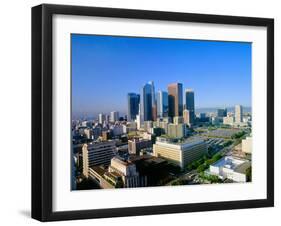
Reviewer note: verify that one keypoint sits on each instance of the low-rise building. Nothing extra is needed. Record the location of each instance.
(230, 168)
(247, 145)
(126, 170)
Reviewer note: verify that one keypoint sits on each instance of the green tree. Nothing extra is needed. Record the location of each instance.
(201, 168)
(216, 157)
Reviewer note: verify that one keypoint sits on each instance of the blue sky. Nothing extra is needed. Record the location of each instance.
(106, 68)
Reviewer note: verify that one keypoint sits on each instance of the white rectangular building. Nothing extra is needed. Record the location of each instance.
(231, 168)
(181, 153)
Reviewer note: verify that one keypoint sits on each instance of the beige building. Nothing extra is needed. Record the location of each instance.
(238, 114)
(178, 120)
(247, 145)
(180, 154)
(229, 120)
(97, 153)
(176, 130)
(127, 171)
(186, 117)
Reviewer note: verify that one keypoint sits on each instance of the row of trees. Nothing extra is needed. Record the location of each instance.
(238, 135)
(203, 163)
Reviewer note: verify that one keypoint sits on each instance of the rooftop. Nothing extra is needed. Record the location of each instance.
(179, 144)
(233, 163)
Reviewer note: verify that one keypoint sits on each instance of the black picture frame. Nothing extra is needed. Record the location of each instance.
(42, 111)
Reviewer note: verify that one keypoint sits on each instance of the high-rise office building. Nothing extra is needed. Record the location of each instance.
(222, 112)
(101, 118)
(175, 99)
(162, 104)
(189, 105)
(146, 102)
(238, 114)
(114, 116)
(133, 106)
(153, 101)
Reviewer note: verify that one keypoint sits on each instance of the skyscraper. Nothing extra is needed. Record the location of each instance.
(133, 106)
(146, 102)
(189, 104)
(162, 104)
(101, 118)
(153, 101)
(175, 99)
(238, 114)
(114, 116)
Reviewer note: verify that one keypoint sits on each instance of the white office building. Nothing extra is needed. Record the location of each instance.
(231, 168)
(114, 116)
(97, 153)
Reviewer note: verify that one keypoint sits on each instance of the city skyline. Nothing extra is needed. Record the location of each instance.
(93, 64)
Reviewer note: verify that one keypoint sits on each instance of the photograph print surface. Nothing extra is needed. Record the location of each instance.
(159, 112)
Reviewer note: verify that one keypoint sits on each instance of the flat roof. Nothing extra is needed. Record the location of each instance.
(230, 162)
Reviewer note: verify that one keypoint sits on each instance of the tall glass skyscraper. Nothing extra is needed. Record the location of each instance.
(162, 104)
(133, 106)
(153, 101)
(146, 101)
(189, 104)
(175, 99)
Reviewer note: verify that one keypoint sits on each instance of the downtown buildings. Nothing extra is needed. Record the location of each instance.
(149, 105)
(159, 128)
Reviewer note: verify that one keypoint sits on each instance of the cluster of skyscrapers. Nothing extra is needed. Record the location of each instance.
(149, 105)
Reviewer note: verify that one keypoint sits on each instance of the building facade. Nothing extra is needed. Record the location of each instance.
(114, 116)
(101, 118)
(230, 168)
(238, 114)
(189, 105)
(180, 154)
(247, 145)
(176, 130)
(133, 106)
(136, 145)
(97, 153)
(146, 102)
(162, 104)
(175, 99)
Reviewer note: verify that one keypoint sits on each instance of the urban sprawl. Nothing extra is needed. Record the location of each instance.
(161, 141)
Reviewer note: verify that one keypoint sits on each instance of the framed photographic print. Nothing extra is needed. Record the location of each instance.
(145, 112)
